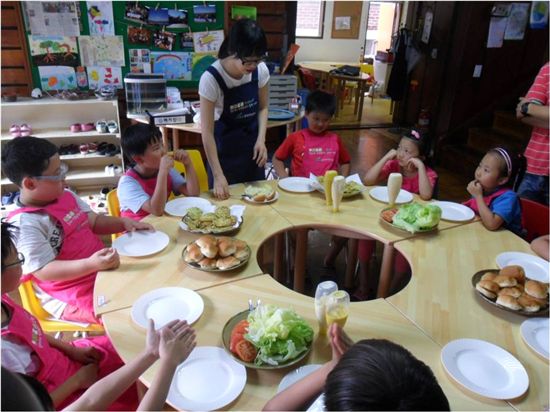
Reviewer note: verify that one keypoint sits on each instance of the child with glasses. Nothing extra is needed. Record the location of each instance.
(233, 109)
(58, 232)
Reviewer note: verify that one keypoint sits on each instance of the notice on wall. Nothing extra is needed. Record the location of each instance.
(104, 76)
(100, 18)
(140, 60)
(517, 20)
(497, 27)
(57, 77)
(52, 18)
(342, 23)
(105, 51)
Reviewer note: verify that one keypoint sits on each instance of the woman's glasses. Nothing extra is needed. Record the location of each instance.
(20, 260)
(63, 169)
(249, 63)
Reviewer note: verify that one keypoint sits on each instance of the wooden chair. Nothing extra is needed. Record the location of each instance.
(534, 218)
(47, 322)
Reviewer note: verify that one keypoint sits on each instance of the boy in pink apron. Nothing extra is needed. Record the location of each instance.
(314, 150)
(58, 231)
(145, 188)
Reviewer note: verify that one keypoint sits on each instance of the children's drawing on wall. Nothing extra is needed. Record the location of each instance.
(200, 62)
(136, 12)
(539, 15)
(81, 77)
(104, 76)
(57, 77)
(53, 50)
(139, 35)
(164, 40)
(177, 19)
(204, 13)
(100, 17)
(105, 51)
(174, 66)
(517, 20)
(158, 16)
(186, 40)
(207, 41)
(140, 60)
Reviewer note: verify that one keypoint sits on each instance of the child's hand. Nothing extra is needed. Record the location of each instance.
(260, 154)
(339, 341)
(85, 355)
(152, 339)
(474, 188)
(87, 375)
(106, 258)
(415, 163)
(182, 156)
(166, 163)
(391, 154)
(131, 225)
(176, 342)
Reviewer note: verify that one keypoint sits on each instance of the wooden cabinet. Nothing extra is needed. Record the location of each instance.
(51, 119)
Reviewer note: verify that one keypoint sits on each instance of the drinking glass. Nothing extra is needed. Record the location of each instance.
(337, 308)
(395, 180)
(323, 290)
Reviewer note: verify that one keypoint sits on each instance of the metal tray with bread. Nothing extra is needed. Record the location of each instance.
(508, 289)
(216, 254)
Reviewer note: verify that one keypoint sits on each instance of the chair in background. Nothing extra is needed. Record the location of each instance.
(534, 218)
(47, 322)
(369, 69)
(198, 164)
(307, 79)
(113, 208)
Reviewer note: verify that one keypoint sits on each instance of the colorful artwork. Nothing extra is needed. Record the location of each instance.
(81, 77)
(164, 40)
(105, 51)
(140, 60)
(517, 21)
(174, 66)
(57, 77)
(53, 50)
(137, 35)
(208, 41)
(100, 17)
(539, 15)
(104, 76)
(201, 62)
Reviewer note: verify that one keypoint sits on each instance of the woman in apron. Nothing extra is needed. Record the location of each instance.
(233, 101)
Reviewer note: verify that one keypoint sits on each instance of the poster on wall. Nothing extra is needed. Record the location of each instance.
(52, 18)
(139, 35)
(174, 66)
(200, 62)
(140, 60)
(204, 14)
(164, 40)
(186, 40)
(517, 21)
(497, 27)
(106, 51)
(57, 77)
(158, 16)
(104, 76)
(207, 41)
(178, 19)
(136, 12)
(100, 18)
(539, 15)
(53, 50)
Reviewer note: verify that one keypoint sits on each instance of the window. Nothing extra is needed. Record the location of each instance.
(309, 18)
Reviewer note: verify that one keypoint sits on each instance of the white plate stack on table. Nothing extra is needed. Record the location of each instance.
(535, 333)
(454, 212)
(141, 243)
(296, 184)
(178, 207)
(380, 193)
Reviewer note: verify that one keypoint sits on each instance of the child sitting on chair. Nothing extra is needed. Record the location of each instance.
(58, 231)
(145, 188)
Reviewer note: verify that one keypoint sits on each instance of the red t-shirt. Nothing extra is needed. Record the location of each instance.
(410, 184)
(293, 146)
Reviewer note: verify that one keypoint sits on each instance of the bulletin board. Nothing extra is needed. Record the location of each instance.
(346, 19)
(121, 28)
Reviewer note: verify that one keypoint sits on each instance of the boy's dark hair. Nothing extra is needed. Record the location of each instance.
(418, 138)
(137, 137)
(320, 101)
(24, 393)
(246, 39)
(515, 170)
(26, 156)
(379, 375)
(8, 240)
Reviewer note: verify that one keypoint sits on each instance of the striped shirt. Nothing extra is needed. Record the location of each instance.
(537, 149)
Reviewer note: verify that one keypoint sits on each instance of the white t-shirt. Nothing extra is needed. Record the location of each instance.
(132, 196)
(209, 88)
(39, 239)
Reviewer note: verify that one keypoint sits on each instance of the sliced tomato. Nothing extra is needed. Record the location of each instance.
(388, 215)
(237, 334)
(246, 351)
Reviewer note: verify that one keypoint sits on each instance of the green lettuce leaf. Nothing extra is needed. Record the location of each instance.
(415, 217)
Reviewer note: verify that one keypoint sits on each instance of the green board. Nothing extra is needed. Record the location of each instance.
(121, 28)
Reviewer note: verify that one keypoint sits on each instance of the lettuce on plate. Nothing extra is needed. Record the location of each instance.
(279, 334)
(415, 217)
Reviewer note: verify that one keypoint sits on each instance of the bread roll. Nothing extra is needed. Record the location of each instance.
(227, 262)
(528, 303)
(513, 291)
(226, 247)
(241, 254)
(514, 271)
(192, 253)
(207, 263)
(490, 275)
(536, 289)
(209, 251)
(505, 281)
(487, 288)
(239, 244)
(206, 240)
(259, 198)
(508, 302)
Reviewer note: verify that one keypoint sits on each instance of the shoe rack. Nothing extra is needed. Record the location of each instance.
(52, 119)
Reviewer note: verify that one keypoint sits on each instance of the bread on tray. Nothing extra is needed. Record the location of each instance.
(216, 253)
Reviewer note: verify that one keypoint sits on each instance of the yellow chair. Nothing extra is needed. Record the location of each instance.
(47, 322)
(369, 69)
(113, 207)
(198, 164)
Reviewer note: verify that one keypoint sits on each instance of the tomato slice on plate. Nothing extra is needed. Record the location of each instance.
(246, 351)
(237, 334)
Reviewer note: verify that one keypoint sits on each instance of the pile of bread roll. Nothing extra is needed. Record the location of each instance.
(216, 253)
(512, 290)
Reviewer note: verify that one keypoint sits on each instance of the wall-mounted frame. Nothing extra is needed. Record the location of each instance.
(346, 19)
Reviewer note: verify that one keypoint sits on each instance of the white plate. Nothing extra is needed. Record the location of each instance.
(292, 377)
(535, 332)
(235, 210)
(484, 368)
(380, 193)
(209, 379)
(250, 200)
(455, 212)
(535, 267)
(296, 184)
(167, 304)
(179, 206)
(141, 243)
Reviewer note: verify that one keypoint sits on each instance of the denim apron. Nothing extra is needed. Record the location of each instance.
(236, 131)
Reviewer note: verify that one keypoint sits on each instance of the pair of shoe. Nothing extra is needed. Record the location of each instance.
(88, 148)
(20, 131)
(82, 127)
(107, 149)
(9, 198)
(113, 170)
(67, 149)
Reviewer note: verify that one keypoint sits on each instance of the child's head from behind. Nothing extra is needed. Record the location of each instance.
(11, 260)
(495, 168)
(34, 165)
(320, 108)
(376, 374)
(412, 144)
(142, 145)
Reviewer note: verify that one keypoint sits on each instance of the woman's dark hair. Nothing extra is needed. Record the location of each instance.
(379, 375)
(136, 138)
(419, 139)
(246, 39)
(24, 393)
(511, 165)
(320, 101)
(8, 240)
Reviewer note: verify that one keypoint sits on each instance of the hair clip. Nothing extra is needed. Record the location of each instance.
(415, 134)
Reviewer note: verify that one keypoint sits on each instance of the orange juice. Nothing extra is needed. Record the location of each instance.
(329, 177)
(337, 314)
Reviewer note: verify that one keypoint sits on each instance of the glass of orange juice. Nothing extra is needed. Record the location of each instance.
(337, 308)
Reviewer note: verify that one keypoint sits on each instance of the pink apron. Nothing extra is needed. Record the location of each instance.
(472, 204)
(320, 153)
(55, 366)
(79, 243)
(148, 185)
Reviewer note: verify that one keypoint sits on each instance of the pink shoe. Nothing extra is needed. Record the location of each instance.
(75, 128)
(15, 131)
(87, 127)
(25, 129)
(84, 149)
